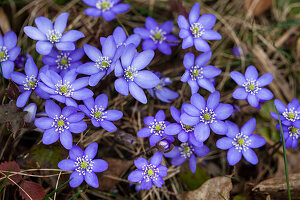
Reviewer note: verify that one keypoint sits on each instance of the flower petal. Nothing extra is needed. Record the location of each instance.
(156, 159)
(77, 127)
(189, 120)
(223, 111)
(23, 98)
(75, 152)
(136, 176)
(203, 58)
(194, 13)
(193, 163)
(251, 73)
(211, 35)
(61, 22)
(219, 127)
(256, 141)
(44, 47)
(249, 127)
(91, 179)
(191, 110)
(67, 165)
(44, 123)
(101, 100)
(140, 162)
(213, 100)
(121, 85)
(182, 22)
(240, 93)
(50, 136)
(113, 115)
(146, 79)
(225, 143)
(207, 20)
(202, 132)
(233, 156)
(137, 92)
(34, 33)
(52, 109)
(198, 101)
(71, 36)
(238, 78)
(264, 94)
(66, 139)
(10, 40)
(250, 156)
(201, 45)
(99, 165)
(142, 59)
(173, 129)
(91, 150)
(44, 24)
(108, 126)
(151, 23)
(188, 60)
(76, 179)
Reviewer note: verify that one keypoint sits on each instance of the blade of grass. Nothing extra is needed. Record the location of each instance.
(54, 191)
(4, 182)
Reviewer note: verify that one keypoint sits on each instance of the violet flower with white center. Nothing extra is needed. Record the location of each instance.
(48, 34)
(100, 117)
(132, 77)
(252, 86)
(196, 74)
(147, 173)
(108, 9)
(197, 29)
(241, 142)
(63, 61)
(83, 165)
(291, 134)
(156, 128)
(65, 89)
(205, 116)
(21, 60)
(157, 37)
(187, 151)
(60, 124)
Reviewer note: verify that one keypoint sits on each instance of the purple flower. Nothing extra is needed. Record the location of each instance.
(197, 29)
(133, 77)
(156, 36)
(31, 112)
(251, 86)
(180, 154)
(185, 133)
(290, 114)
(48, 35)
(291, 134)
(156, 128)
(8, 53)
(28, 83)
(205, 116)
(65, 88)
(60, 124)
(21, 60)
(161, 92)
(106, 8)
(196, 74)
(83, 165)
(237, 51)
(96, 110)
(147, 173)
(103, 63)
(241, 142)
(63, 61)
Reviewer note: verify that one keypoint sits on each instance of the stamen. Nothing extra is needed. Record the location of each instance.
(241, 142)
(186, 150)
(103, 63)
(251, 86)
(196, 72)
(157, 127)
(291, 114)
(294, 132)
(63, 61)
(197, 30)
(3, 54)
(64, 89)
(207, 116)
(54, 36)
(60, 123)
(98, 114)
(150, 172)
(30, 83)
(158, 35)
(187, 128)
(83, 165)
(130, 73)
(104, 5)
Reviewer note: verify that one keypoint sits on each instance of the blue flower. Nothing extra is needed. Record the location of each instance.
(156, 36)
(103, 63)
(237, 51)
(290, 114)
(291, 134)
(48, 35)
(96, 110)
(252, 86)
(31, 112)
(185, 133)
(60, 124)
(197, 30)
(65, 88)
(205, 116)
(21, 60)
(28, 83)
(83, 165)
(106, 8)
(8, 53)
(133, 77)
(147, 173)
(161, 92)
(63, 61)
(196, 74)
(156, 128)
(180, 154)
(241, 142)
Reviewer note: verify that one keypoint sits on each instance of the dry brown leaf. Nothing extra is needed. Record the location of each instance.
(12, 167)
(260, 7)
(216, 188)
(4, 25)
(34, 191)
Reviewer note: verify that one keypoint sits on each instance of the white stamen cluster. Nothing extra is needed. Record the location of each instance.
(30, 83)
(63, 61)
(251, 86)
(103, 63)
(97, 113)
(157, 127)
(291, 114)
(196, 72)
(186, 150)
(3, 54)
(130, 73)
(83, 165)
(121, 44)
(150, 172)
(64, 89)
(60, 123)
(207, 116)
(158, 35)
(197, 30)
(104, 5)
(294, 132)
(187, 128)
(241, 142)
(54, 36)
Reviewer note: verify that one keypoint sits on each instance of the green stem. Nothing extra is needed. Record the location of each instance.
(285, 158)
(3, 83)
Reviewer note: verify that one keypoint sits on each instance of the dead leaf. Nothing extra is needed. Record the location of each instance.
(260, 7)
(11, 166)
(12, 91)
(4, 25)
(293, 164)
(216, 188)
(34, 190)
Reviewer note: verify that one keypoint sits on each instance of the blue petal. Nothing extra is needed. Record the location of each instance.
(201, 45)
(8, 68)
(154, 139)
(202, 132)
(144, 132)
(173, 129)
(31, 112)
(13, 53)
(156, 159)
(92, 52)
(251, 73)
(128, 55)
(121, 85)
(77, 54)
(118, 69)
(75, 152)
(207, 20)
(75, 117)
(91, 2)
(249, 127)
(188, 60)
(238, 78)
(109, 15)
(165, 48)
(99, 165)
(256, 141)
(253, 100)
(206, 84)
(71, 36)
(193, 163)
(265, 79)
(95, 78)
(233, 129)
(150, 23)
(137, 92)
(162, 170)
(210, 71)
(109, 47)
(67, 165)
(240, 93)
(148, 120)
(184, 33)
(50, 136)
(143, 32)
(44, 24)
(142, 59)
(194, 13)
(76, 179)
(201, 151)
(185, 77)
(198, 101)
(191, 110)
(211, 35)
(160, 115)
(80, 83)
(113, 115)
(146, 79)
(187, 42)
(108, 126)
(219, 127)
(77, 127)
(182, 22)
(213, 100)
(133, 39)
(91, 150)
(189, 120)
(183, 136)
(167, 26)
(44, 123)
(43, 47)
(194, 86)
(30, 68)
(120, 8)
(264, 94)
(250, 156)
(91, 179)
(66, 139)
(119, 35)
(136, 176)
(203, 59)
(69, 110)
(34, 33)
(158, 182)
(82, 94)
(223, 111)
(52, 109)
(233, 156)
(175, 152)
(279, 106)
(61, 22)
(65, 46)
(18, 77)
(101, 100)
(175, 114)
(93, 12)
(178, 161)
(10, 40)
(225, 143)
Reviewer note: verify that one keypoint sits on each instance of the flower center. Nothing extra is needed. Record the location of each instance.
(251, 86)
(103, 63)
(187, 128)
(186, 150)
(207, 116)
(197, 30)
(130, 73)
(64, 89)
(196, 72)
(158, 35)
(294, 132)
(157, 127)
(291, 114)
(150, 172)
(241, 142)
(83, 165)
(97, 113)
(104, 5)
(3, 54)
(63, 61)
(54, 36)
(60, 123)
(30, 83)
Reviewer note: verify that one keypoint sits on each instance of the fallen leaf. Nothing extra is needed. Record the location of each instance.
(261, 6)
(4, 25)
(10, 166)
(216, 188)
(12, 91)
(34, 190)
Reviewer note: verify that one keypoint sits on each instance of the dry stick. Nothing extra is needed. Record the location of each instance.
(31, 175)
(89, 31)
(119, 21)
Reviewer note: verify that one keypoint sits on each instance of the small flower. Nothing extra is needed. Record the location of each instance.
(161, 92)
(8, 53)
(156, 128)
(252, 86)
(96, 110)
(28, 83)
(103, 63)
(187, 151)
(147, 173)
(291, 134)
(21, 60)
(60, 124)
(241, 142)
(48, 35)
(133, 77)
(31, 112)
(237, 51)
(197, 29)
(65, 88)
(205, 116)
(108, 9)
(83, 165)
(196, 74)
(157, 37)
(63, 61)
